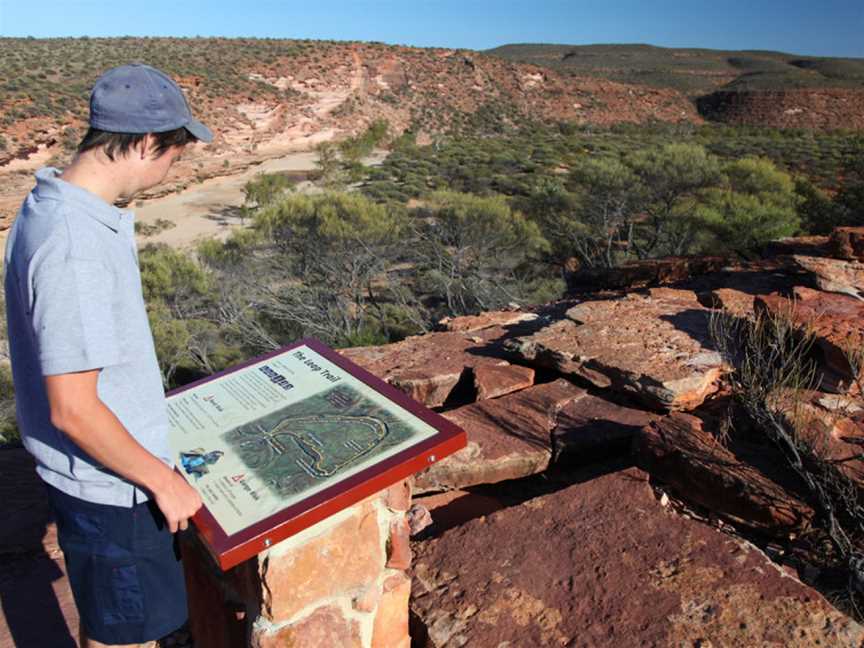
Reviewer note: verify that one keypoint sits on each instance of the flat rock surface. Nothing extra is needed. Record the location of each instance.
(508, 437)
(602, 563)
(656, 349)
(429, 367)
(697, 468)
(837, 323)
(834, 275)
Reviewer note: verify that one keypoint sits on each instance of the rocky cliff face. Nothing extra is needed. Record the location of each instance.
(822, 109)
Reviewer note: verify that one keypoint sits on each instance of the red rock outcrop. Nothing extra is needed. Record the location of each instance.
(492, 381)
(592, 429)
(467, 323)
(837, 324)
(604, 564)
(834, 275)
(734, 290)
(848, 243)
(429, 367)
(832, 425)
(639, 274)
(678, 451)
(508, 437)
(656, 349)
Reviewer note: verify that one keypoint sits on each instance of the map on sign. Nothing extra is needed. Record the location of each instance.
(316, 439)
(265, 436)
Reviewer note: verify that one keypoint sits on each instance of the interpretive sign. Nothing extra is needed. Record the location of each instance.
(289, 438)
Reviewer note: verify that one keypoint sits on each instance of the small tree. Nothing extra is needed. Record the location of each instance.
(673, 181)
(474, 250)
(607, 197)
(757, 204)
(265, 189)
(322, 256)
(817, 212)
(180, 305)
(328, 165)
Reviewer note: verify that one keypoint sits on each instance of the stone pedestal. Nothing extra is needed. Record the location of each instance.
(338, 584)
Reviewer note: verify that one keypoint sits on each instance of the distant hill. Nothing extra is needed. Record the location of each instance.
(263, 97)
(692, 71)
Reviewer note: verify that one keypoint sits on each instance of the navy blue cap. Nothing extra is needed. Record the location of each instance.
(137, 98)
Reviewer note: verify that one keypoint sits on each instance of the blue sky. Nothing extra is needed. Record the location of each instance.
(815, 27)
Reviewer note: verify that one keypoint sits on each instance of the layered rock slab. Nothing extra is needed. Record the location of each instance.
(492, 381)
(430, 367)
(735, 291)
(606, 565)
(698, 468)
(837, 325)
(467, 323)
(654, 347)
(591, 429)
(508, 437)
(834, 275)
(832, 425)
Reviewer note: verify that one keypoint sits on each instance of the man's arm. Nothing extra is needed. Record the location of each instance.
(77, 411)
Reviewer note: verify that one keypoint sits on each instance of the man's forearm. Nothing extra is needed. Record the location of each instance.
(77, 411)
(98, 432)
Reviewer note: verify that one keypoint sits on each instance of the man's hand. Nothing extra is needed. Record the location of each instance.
(178, 501)
(77, 411)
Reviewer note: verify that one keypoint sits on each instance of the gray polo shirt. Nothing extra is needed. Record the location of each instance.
(74, 303)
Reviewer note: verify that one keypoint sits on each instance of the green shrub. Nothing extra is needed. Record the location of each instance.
(757, 204)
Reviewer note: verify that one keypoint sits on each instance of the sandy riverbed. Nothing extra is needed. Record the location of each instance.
(211, 209)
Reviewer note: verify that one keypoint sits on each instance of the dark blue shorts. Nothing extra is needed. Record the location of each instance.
(123, 568)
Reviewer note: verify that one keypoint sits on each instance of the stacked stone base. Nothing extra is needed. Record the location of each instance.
(338, 584)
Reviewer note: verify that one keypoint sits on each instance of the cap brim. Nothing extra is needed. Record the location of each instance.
(199, 130)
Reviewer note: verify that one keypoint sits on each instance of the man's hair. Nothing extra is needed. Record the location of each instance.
(121, 143)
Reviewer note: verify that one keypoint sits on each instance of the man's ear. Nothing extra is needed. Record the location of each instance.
(143, 148)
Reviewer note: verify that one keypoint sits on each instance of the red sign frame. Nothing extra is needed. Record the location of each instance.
(246, 543)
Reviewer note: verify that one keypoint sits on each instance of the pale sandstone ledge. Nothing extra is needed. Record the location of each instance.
(653, 347)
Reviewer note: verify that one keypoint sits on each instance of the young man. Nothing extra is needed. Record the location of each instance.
(89, 396)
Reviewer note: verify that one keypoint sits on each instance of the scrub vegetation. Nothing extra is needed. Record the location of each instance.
(52, 77)
(474, 224)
